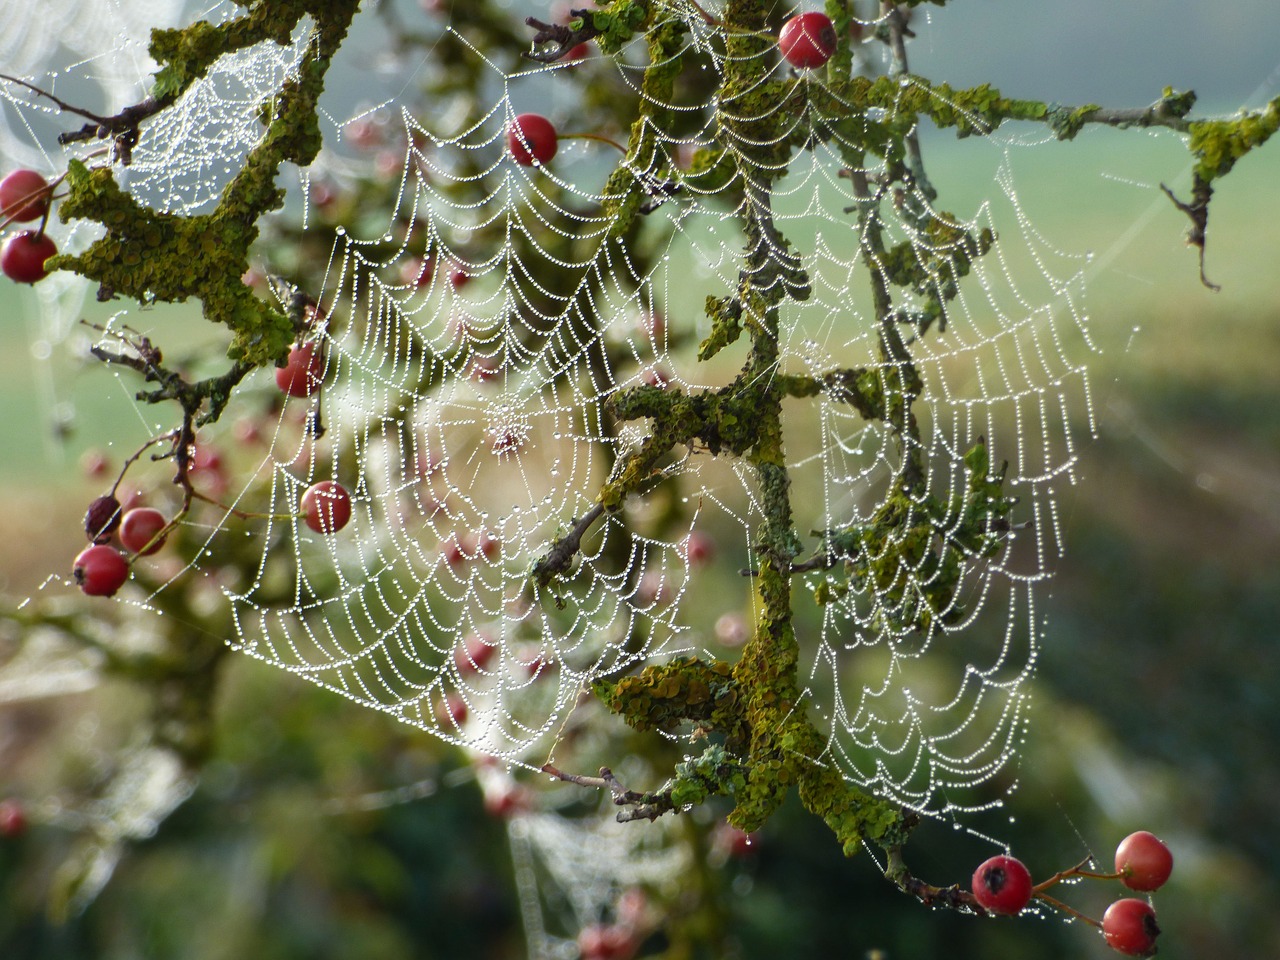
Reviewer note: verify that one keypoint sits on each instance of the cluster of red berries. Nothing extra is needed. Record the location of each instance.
(24, 196)
(102, 568)
(1003, 885)
(114, 532)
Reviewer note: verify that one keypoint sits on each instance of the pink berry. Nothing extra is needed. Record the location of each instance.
(474, 654)
(24, 195)
(532, 137)
(698, 548)
(601, 941)
(452, 711)
(1143, 861)
(139, 529)
(1002, 885)
(303, 371)
(1130, 927)
(807, 40)
(326, 506)
(100, 570)
(13, 819)
(504, 798)
(23, 255)
(418, 271)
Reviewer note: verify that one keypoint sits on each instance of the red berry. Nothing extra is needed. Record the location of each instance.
(601, 941)
(102, 518)
(94, 463)
(1002, 885)
(506, 800)
(205, 466)
(452, 711)
(303, 371)
(1143, 861)
(326, 506)
(13, 819)
(1130, 927)
(418, 271)
(531, 137)
(807, 40)
(698, 548)
(139, 528)
(100, 570)
(23, 255)
(474, 654)
(732, 842)
(487, 545)
(24, 195)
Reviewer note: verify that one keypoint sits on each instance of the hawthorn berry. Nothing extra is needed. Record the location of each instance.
(139, 528)
(531, 137)
(205, 466)
(24, 195)
(1002, 885)
(507, 801)
(418, 271)
(326, 506)
(102, 518)
(13, 819)
(452, 711)
(1130, 927)
(100, 570)
(698, 548)
(474, 654)
(606, 941)
(1143, 861)
(302, 372)
(807, 40)
(23, 255)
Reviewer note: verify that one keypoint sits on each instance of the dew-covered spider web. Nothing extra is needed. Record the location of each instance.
(478, 320)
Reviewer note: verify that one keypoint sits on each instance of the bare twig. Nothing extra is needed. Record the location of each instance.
(1198, 212)
(563, 550)
(564, 37)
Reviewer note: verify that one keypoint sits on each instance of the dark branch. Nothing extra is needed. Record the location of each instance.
(564, 37)
(566, 548)
(1198, 212)
(643, 806)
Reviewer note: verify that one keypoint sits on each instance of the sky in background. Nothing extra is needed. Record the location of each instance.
(1112, 52)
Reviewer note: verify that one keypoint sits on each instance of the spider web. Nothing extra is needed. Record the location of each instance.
(474, 336)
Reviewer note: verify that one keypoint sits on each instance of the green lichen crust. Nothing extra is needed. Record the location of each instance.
(156, 256)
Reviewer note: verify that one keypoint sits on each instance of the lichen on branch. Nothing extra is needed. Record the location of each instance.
(152, 255)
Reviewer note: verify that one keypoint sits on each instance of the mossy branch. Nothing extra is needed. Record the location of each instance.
(154, 256)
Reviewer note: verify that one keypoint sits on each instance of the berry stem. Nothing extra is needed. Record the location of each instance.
(594, 136)
(1058, 905)
(1076, 871)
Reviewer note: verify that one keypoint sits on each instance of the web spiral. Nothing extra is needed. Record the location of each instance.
(476, 335)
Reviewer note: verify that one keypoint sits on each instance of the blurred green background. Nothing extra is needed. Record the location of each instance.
(1154, 704)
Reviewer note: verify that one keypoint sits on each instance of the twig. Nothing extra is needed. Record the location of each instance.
(563, 550)
(564, 37)
(644, 806)
(1198, 212)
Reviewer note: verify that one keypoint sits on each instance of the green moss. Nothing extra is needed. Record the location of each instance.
(154, 256)
(1218, 144)
(618, 23)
